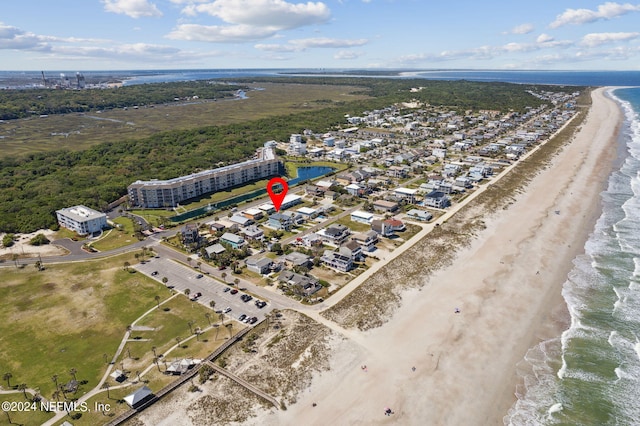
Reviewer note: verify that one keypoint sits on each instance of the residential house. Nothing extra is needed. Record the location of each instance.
(355, 190)
(310, 240)
(297, 259)
(259, 266)
(280, 221)
(351, 249)
(336, 260)
(406, 194)
(253, 214)
(421, 215)
(190, 234)
(335, 234)
(362, 217)
(253, 233)
(367, 240)
(233, 240)
(385, 206)
(302, 284)
(381, 228)
(437, 199)
(214, 250)
(395, 225)
(241, 220)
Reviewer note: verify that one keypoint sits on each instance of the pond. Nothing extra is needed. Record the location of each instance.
(304, 174)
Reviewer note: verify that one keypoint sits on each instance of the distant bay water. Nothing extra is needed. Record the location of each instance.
(11, 79)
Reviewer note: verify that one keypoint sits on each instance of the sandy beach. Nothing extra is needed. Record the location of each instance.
(507, 285)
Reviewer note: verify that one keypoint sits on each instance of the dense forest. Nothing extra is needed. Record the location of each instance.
(34, 186)
(23, 103)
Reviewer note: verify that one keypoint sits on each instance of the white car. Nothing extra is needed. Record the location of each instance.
(227, 310)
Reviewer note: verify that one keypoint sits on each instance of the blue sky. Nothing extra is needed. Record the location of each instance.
(420, 34)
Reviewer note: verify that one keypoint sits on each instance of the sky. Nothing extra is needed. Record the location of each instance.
(84, 35)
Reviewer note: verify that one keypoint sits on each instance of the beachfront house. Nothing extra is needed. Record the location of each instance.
(259, 266)
(235, 241)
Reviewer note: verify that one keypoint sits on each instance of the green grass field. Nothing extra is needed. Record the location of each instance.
(78, 131)
(72, 315)
(116, 237)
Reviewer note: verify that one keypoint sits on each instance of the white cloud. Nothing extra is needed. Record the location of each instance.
(310, 43)
(17, 39)
(249, 20)
(596, 39)
(521, 29)
(220, 34)
(606, 11)
(266, 13)
(544, 38)
(347, 55)
(132, 8)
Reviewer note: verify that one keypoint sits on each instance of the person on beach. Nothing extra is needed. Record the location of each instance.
(457, 311)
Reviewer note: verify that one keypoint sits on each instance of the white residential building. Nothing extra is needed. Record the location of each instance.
(81, 219)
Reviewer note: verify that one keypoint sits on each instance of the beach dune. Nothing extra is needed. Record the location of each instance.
(507, 286)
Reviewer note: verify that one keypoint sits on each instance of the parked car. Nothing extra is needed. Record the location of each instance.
(154, 273)
(199, 276)
(242, 317)
(234, 291)
(260, 304)
(226, 289)
(227, 310)
(253, 320)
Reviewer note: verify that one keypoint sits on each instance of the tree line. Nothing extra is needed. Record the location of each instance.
(34, 186)
(24, 103)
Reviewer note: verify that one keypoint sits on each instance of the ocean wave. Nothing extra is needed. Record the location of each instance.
(597, 359)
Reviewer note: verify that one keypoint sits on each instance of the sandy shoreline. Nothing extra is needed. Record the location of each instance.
(508, 286)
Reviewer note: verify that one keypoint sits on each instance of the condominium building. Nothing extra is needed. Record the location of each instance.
(169, 193)
(81, 219)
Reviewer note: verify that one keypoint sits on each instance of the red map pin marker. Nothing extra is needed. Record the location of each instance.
(276, 199)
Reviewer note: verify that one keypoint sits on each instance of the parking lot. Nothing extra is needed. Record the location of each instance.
(180, 278)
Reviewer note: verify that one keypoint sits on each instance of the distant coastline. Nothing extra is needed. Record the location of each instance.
(33, 79)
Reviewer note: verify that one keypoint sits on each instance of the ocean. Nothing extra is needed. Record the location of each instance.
(591, 374)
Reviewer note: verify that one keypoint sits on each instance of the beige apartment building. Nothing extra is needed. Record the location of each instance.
(171, 192)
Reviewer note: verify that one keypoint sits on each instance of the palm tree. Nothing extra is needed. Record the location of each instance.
(138, 374)
(224, 277)
(212, 304)
(8, 417)
(156, 362)
(217, 327)
(56, 395)
(7, 376)
(165, 280)
(190, 323)
(137, 256)
(198, 264)
(153, 349)
(126, 266)
(73, 372)
(157, 300)
(187, 292)
(230, 327)
(221, 318)
(54, 378)
(105, 385)
(236, 281)
(23, 388)
(38, 265)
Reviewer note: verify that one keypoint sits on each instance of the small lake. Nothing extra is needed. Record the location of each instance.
(304, 174)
